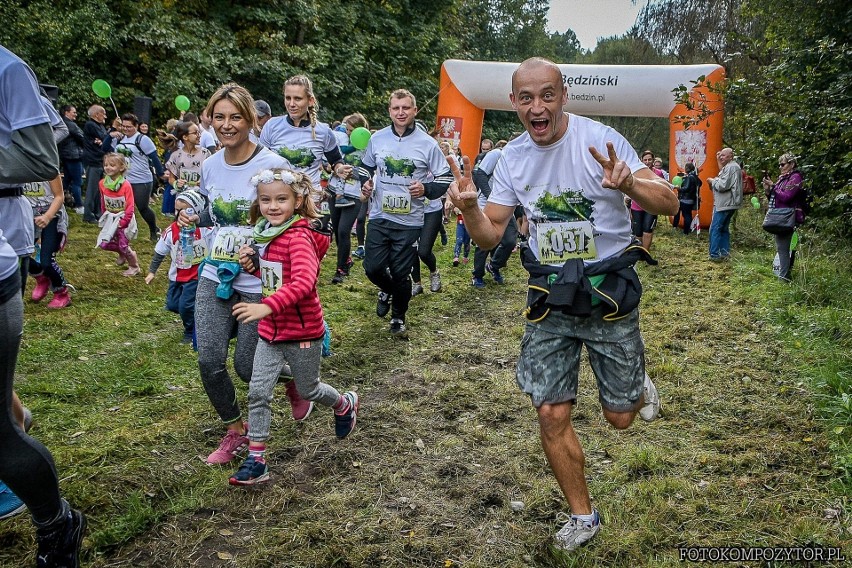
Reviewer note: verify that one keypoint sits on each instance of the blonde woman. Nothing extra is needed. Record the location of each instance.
(226, 182)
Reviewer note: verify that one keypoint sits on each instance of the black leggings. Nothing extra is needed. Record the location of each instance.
(142, 198)
(342, 219)
(432, 223)
(26, 466)
(360, 227)
(46, 262)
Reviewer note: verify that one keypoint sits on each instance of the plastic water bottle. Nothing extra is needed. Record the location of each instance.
(186, 250)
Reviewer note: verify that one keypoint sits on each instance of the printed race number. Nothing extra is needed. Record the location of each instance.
(228, 241)
(558, 242)
(271, 275)
(399, 204)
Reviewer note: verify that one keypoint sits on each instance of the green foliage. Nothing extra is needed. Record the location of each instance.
(801, 102)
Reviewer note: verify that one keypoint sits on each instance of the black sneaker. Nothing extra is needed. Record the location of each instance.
(397, 329)
(383, 305)
(338, 277)
(345, 423)
(60, 547)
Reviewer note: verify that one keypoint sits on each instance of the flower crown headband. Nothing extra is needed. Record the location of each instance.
(268, 176)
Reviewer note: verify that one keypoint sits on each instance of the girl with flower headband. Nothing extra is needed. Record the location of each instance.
(303, 140)
(226, 183)
(291, 324)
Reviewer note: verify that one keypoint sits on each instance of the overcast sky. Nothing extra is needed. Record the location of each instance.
(591, 20)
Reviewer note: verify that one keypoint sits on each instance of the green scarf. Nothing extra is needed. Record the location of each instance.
(113, 184)
(264, 232)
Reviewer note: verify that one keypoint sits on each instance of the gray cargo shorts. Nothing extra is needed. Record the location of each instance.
(549, 364)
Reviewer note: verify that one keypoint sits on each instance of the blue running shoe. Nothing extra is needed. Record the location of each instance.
(10, 505)
(345, 423)
(251, 472)
(495, 273)
(477, 282)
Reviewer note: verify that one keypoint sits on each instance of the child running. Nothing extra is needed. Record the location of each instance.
(291, 325)
(118, 223)
(183, 272)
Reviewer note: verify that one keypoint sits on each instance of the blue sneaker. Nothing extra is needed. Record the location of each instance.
(477, 282)
(345, 423)
(10, 505)
(359, 253)
(251, 472)
(495, 273)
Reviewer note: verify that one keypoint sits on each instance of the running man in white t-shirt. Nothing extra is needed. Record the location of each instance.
(579, 233)
(410, 170)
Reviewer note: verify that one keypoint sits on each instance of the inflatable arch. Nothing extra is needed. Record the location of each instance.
(468, 88)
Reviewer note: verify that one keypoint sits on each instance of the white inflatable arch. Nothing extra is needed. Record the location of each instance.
(468, 88)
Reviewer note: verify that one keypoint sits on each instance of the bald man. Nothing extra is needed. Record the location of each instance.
(570, 174)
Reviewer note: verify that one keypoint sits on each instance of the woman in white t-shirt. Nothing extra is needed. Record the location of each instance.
(225, 181)
(303, 140)
(138, 151)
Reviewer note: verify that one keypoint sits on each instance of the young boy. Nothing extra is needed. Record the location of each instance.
(183, 272)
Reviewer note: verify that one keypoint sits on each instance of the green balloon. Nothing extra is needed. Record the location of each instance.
(755, 202)
(182, 103)
(360, 137)
(102, 88)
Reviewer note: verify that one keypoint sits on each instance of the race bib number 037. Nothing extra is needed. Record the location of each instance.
(558, 242)
(228, 241)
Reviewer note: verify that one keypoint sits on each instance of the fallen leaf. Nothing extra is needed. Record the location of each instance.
(420, 445)
(76, 434)
(83, 358)
(226, 532)
(225, 555)
(808, 439)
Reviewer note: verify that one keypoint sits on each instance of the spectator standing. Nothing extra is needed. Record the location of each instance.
(96, 143)
(727, 198)
(71, 156)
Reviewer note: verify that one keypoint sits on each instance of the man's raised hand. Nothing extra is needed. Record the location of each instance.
(462, 192)
(616, 173)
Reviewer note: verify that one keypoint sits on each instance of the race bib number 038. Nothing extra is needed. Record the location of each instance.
(228, 241)
(271, 274)
(396, 203)
(558, 242)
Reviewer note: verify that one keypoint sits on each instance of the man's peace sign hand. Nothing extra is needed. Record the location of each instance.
(462, 192)
(616, 173)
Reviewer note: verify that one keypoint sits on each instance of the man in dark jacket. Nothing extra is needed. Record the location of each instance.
(96, 143)
(71, 156)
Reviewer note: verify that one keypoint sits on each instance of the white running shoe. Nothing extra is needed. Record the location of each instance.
(650, 411)
(576, 532)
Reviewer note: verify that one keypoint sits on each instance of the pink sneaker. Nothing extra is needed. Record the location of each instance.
(41, 288)
(232, 444)
(301, 408)
(61, 299)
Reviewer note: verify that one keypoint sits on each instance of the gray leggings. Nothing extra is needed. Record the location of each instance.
(269, 358)
(214, 324)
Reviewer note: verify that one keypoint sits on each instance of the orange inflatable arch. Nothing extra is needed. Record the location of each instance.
(468, 88)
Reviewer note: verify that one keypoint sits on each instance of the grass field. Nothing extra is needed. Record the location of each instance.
(753, 448)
